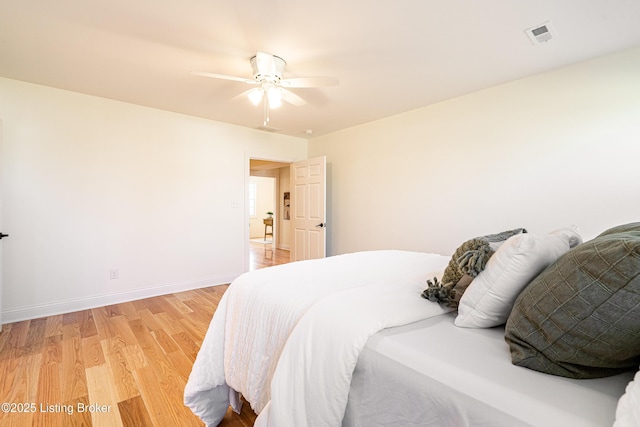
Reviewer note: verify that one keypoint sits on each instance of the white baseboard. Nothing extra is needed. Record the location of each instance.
(68, 306)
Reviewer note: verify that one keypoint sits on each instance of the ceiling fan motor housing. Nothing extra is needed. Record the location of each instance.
(270, 70)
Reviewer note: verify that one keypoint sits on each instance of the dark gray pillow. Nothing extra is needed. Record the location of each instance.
(634, 226)
(580, 318)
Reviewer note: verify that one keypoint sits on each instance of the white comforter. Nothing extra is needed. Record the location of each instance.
(288, 337)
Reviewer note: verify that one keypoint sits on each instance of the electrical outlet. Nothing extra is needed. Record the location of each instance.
(113, 274)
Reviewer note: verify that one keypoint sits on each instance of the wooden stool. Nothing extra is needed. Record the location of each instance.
(268, 222)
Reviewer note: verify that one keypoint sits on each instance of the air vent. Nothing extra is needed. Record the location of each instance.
(540, 33)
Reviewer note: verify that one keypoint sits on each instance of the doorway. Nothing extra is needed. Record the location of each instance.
(268, 222)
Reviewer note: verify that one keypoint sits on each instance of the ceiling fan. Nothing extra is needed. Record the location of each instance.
(271, 87)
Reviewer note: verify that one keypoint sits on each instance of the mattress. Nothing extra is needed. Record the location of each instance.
(432, 373)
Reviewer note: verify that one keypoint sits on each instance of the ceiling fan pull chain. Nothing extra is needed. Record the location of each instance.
(266, 111)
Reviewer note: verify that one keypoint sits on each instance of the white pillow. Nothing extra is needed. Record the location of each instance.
(628, 410)
(571, 232)
(489, 298)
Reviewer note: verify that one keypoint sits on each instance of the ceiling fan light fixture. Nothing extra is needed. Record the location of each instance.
(255, 95)
(274, 95)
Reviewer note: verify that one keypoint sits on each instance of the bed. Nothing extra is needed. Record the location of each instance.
(347, 341)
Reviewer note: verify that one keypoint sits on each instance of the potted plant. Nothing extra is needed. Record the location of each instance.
(270, 214)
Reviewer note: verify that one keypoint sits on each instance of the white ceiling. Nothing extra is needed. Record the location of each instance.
(390, 56)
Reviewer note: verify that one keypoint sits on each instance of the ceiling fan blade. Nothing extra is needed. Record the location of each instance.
(224, 77)
(292, 98)
(302, 82)
(243, 94)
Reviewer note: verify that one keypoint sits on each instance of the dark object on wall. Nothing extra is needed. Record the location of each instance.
(287, 203)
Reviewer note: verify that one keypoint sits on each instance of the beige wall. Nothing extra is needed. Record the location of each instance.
(543, 152)
(92, 185)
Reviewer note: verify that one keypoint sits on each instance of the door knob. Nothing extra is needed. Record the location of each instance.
(322, 225)
(3, 235)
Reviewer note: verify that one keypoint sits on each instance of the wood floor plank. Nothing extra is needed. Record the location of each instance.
(135, 356)
(129, 310)
(102, 393)
(4, 335)
(71, 330)
(207, 301)
(16, 420)
(51, 415)
(35, 336)
(49, 384)
(103, 326)
(149, 319)
(195, 330)
(113, 310)
(19, 384)
(175, 392)
(134, 413)
(52, 351)
(189, 348)
(201, 312)
(167, 343)
(74, 384)
(14, 343)
(181, 364)
(150, 347)
(169, 324)
(158, 406)
(54, 326)
(168, 308)
(31, 375)
(121, 330)
(81, 417)
(148, 303)
(13, 388)
(186, 295)
(121, 374)
(87, 324)
(177, 304)
(92, 354)
(70, 318)
(144, 338)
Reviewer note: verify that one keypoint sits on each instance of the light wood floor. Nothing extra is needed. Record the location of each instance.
(261, 255)
(131, 361)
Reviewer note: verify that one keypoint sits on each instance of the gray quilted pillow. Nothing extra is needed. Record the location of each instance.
(580, 318)
(634, 226)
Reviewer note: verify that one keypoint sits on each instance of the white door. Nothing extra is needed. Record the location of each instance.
(308, 209)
